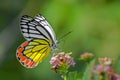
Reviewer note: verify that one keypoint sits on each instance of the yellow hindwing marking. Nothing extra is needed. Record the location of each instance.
(38, 49)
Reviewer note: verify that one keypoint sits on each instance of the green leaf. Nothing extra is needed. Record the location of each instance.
(74, 76)
(88, 72)
(118, 66)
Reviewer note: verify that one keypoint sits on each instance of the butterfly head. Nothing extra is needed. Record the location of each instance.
(54, 46)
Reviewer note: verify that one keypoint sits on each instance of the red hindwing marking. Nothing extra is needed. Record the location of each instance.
(32, 64)
(27, 61)
(20, 50)
(22, 47)
(20, 55)
(22, 59)
(24, 44)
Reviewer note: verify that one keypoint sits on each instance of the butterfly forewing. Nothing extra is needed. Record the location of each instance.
(37, 28)
(39, 18)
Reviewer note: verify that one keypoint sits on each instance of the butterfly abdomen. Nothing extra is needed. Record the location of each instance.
(23, 59)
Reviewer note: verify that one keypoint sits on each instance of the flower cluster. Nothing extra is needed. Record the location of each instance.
(104, 69)
(61, 62)
(105, 61)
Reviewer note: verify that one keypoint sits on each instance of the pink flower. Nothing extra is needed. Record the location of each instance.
(105, 67)
(113, 76)
(102, 69)
(61, 60)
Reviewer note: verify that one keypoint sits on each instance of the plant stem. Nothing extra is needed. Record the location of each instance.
(65, 78)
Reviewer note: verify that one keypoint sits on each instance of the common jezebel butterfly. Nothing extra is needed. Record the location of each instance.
(40, 40)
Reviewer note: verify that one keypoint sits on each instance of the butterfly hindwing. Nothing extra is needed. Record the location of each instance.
(31, 53)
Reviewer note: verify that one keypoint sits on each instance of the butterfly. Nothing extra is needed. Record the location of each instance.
(40, 40)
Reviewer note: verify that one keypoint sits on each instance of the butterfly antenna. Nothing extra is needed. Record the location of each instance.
(65, 35)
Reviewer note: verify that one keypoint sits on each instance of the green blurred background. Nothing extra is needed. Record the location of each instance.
(95, 26)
